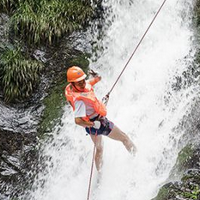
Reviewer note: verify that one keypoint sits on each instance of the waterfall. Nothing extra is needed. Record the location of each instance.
(144, 104)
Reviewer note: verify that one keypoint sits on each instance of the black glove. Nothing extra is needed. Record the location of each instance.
(105, 99)
(93, 73)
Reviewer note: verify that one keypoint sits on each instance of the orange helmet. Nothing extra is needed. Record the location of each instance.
(75, 74)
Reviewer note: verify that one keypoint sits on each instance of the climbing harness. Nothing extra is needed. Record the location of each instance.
(107, 96)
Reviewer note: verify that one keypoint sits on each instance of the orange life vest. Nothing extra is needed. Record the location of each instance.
(88, 96)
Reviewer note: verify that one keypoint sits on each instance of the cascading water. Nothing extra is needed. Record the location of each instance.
(143, 104)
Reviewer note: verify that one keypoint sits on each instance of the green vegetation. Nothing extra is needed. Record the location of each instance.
(197, 12)
(35, 23)
(53, 111)
(184, 156)
(18, 74)
(45, 21)
(187, 191)
(182, 161)
(193, 194)
(80, 60)
(162, 194)
(9, 6)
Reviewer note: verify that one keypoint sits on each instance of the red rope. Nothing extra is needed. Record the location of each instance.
(137, 46)
(91, 172)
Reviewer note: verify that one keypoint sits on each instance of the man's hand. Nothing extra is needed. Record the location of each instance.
(97, 124)
(93, 73)
(105, 99)
(81, 122)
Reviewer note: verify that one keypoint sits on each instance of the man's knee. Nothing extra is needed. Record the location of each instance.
(99, 149)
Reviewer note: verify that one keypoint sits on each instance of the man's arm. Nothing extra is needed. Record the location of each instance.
(81, 122)
(80, 113)
(94, 80)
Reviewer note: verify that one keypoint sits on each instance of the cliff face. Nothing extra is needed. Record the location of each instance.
(25, 121)
(184, 179)
(24, 124)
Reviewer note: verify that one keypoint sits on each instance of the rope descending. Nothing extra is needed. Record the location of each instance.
(136, 48)
(91, 172)
(106, 98)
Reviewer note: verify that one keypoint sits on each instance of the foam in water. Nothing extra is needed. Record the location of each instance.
(142, 104)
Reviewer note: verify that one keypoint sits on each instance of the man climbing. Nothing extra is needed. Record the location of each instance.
(91, 113)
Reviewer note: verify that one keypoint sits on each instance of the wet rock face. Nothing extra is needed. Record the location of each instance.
(21, 117)
(22, 122)
(188, 162)
(17, 155)
(188, 188)
(16, 119)
(19, 123)
(12, 142)
(194, 161)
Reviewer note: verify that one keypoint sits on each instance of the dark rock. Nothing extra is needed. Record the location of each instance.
(17, 156)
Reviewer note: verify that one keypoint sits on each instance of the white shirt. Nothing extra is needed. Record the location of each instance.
(82, 109)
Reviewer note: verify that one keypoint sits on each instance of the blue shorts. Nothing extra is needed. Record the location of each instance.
(105, 128)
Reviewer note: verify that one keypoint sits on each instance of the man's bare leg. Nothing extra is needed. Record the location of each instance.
(99, 150)
(117, 134)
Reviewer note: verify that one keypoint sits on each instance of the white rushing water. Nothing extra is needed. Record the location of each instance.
(143, 104)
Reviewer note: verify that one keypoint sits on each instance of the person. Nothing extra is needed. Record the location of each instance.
(90, 113)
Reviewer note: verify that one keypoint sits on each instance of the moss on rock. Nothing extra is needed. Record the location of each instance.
(81, 61)
(175, 191)
(188, 188)
(197, 13)
(162, 194)
(55, 100)
(184, 157)
(53, 111)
